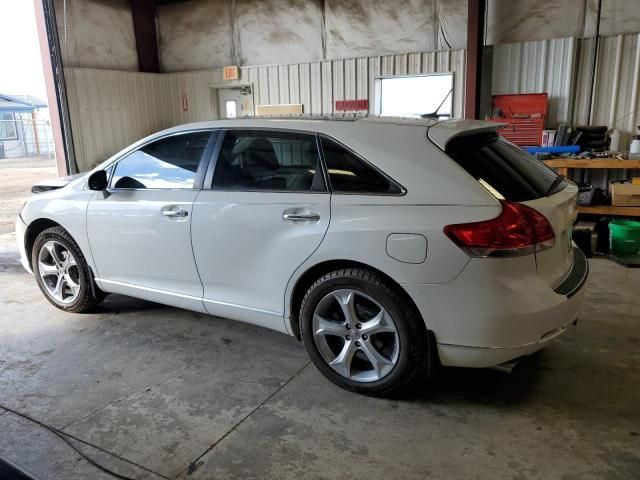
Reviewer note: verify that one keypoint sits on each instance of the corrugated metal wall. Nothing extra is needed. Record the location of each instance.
(110, 110)
(537, 67)
(318, 85)
(562, 68)
(616, 101)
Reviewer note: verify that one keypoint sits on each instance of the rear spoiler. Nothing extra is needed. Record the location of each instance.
(443, 132)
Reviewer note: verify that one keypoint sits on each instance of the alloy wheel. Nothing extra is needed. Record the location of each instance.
(355, 335)
(59, 272)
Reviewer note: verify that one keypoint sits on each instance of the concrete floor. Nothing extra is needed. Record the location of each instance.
(16, 178)
(148, 390)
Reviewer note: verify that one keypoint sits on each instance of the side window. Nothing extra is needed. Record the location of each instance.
(266, 160)
(170, 162)
(350, 174)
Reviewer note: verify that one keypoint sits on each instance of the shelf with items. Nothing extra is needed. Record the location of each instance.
(563, 165)
(610, 210)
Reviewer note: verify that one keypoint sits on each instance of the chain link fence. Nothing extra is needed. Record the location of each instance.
(26, 137)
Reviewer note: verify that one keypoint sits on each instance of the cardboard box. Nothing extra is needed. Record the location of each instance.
(624, 194)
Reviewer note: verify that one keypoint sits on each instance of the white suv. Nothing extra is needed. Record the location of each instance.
(386, 244)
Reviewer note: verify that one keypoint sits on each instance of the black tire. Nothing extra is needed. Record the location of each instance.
(593, 144)
(593, 129)
(89, 294)
(413, 356)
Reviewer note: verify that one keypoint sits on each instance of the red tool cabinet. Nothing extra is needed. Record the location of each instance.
(525, 115)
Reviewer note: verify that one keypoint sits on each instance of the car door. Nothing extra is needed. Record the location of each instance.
(266, 211)
(139, 230)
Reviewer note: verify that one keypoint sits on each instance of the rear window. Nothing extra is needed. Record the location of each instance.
(504, 168)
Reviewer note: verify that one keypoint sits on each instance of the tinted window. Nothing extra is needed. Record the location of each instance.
(261, 160)
(350, 174)
(504, 168)
(171, 162)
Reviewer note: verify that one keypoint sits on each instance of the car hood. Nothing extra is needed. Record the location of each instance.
(55, 183)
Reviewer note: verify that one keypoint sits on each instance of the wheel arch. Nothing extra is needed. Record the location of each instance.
(34, 229)
(311, 274)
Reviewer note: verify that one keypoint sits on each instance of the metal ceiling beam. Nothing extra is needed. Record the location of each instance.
(475, 41)
(144, 27)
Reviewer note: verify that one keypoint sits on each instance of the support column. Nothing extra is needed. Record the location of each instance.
(56, 100)
(35, 132)
(475, 41)
(144, 27)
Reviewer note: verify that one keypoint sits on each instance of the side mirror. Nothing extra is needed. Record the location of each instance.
(98, 181)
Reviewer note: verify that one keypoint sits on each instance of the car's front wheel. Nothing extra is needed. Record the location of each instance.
(62, 272)
(362, 333)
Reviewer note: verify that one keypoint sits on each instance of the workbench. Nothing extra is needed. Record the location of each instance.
(563, 165)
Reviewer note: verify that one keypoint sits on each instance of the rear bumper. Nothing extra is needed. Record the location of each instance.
(490, 315)
(577, 276)
(21, 228)
(480, 357)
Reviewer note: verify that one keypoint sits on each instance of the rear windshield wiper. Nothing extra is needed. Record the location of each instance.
(557, 181)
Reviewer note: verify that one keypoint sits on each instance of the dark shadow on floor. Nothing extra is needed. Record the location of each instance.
(479, 385)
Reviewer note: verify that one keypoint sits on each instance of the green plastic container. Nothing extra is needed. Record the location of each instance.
(624, 237)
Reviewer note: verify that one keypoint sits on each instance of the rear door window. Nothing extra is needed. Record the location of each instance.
(504, 169)
(256, 160)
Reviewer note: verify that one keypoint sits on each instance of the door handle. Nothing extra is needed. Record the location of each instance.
(306, 217)
(175, 213)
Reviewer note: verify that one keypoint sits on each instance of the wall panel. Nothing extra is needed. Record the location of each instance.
(615, 102)
(537, 67)
(562, 68)
(96, 34)
(111, 109)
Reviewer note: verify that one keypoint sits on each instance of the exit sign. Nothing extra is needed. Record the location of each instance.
(347, 105)
(230, 73)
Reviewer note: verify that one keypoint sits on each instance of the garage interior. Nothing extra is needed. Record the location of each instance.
(148, 391)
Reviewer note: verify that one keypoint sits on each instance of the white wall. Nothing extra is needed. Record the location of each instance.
(202, 34)
(195, 38)
(205, 34)
(537, 67)
(109, 110)
(96, 34)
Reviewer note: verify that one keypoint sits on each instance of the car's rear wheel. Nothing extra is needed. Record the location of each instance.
(362, 333)
(62, 273)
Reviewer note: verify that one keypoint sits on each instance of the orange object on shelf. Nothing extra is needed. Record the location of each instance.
(525, 113)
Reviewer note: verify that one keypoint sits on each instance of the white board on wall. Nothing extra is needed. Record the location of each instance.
(279, 109)
(415, 95)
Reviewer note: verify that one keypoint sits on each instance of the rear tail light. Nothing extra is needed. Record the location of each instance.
(518, 230)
